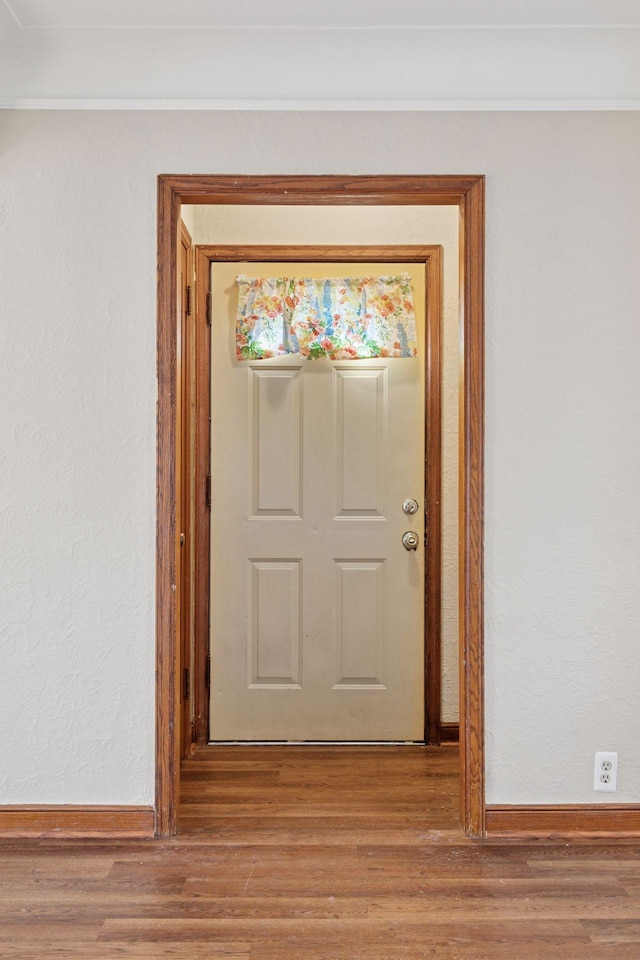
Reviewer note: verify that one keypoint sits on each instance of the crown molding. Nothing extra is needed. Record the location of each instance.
(333, 106)
(330, 14)
(422, 70)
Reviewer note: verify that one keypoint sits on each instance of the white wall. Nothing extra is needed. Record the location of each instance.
(360, 225)
(77, 410)
(188, 215)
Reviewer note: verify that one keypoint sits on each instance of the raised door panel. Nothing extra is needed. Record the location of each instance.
(360, 623)
(360, 440)
(274, 623)
(276, 444)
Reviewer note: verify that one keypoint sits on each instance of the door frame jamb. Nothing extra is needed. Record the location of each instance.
(430, 255)
(466, 192)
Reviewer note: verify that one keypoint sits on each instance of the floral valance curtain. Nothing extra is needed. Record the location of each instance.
(344, 318)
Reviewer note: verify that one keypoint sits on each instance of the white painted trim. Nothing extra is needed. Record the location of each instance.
(381, 106)
(423, 70)
(282, 14)
(326, 28)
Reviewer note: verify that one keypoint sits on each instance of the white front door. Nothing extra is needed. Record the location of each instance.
(316, 606)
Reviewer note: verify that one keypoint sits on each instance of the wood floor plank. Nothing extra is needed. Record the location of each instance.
(208, 773)
(299, 832)
(233, 807)
(33, 869)
(225, 775)
(532, 853)
(413, 888)
(192, 950)
(63, 890)
(614, 931)
(437, 949)
(627, 869)
(44, 931)
(213, 857)
(308, 830)
(382, 932)
(307, 871)
(145, 907)
(387, 811)
(58, 849)
(540, 907)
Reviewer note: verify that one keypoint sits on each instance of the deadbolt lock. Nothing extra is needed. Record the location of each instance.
(410, 540)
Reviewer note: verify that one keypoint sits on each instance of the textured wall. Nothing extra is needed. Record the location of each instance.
(268, 224)
(77, 407)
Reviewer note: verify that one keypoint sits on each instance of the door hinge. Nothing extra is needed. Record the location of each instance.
(188, 305)
(207, 491)
(186, 688)
(209, 307)
(207, 673)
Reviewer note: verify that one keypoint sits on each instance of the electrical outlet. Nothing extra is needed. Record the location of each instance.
(605, 772)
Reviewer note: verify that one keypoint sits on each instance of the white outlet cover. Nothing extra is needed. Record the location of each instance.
(606, 765)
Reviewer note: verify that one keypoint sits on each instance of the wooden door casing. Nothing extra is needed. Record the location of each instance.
(467, 192)
(184, 346)
(431, 257)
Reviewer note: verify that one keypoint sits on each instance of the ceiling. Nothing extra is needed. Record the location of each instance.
(328, 13)
(320, 54)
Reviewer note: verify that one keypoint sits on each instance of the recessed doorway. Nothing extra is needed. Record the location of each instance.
(467, 193)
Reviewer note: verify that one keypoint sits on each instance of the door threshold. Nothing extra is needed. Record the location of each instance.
(316, 743)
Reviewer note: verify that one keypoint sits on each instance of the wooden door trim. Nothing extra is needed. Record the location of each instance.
(202, 532)
(467, 192)
(431, 256)
(184, 397)
(471, 511)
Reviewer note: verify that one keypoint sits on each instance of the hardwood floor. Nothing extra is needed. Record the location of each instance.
(317, 853)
